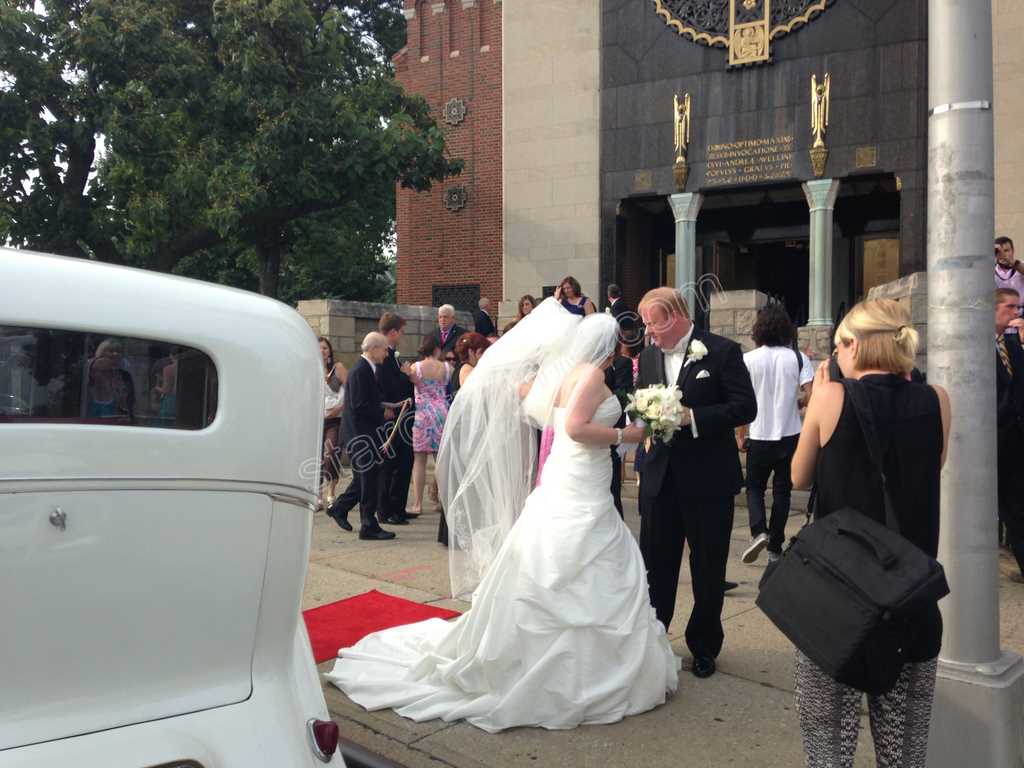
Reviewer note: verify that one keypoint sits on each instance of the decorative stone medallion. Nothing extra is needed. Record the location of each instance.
(455, 198)
(744, 27)
(454, 111)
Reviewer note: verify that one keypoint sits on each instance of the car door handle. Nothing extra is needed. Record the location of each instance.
(59, 519)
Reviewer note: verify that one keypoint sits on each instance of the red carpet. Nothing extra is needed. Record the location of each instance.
(341, 624)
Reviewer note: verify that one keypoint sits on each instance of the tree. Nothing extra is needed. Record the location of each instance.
(242, 135)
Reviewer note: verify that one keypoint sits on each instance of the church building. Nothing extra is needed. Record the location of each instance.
(779, 146)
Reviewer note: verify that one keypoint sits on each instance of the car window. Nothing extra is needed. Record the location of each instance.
(59, 376)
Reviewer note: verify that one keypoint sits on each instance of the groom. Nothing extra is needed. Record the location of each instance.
(688, 487)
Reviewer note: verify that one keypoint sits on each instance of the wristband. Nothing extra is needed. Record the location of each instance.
(618, 436)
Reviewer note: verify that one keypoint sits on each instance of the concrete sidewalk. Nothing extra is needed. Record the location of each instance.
(744, 715)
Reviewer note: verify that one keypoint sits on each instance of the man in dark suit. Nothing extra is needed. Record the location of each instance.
(629, 323)
(484, 323)
(618, 377)
(396, 388)
(617, 305)
(448, 331)
(361, 422)
(1010, 421)
(688, 486)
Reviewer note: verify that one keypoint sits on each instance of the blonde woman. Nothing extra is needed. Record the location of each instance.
(875, 346)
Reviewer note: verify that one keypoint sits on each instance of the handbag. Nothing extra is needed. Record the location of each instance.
(332, 400)
(846, 587)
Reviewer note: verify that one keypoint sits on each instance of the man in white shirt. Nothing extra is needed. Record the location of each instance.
(780, 375)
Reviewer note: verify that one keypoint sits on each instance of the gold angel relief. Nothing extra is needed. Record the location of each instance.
(681, 118)
(819, 107)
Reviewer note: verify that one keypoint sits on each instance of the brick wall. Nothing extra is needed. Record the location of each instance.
(453, 51)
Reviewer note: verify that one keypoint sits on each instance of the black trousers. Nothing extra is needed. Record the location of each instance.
(364, 489)
(668, 522)
(770, 458)
(1011, 508)
(396, 471)
(617, 481)
(344, 503)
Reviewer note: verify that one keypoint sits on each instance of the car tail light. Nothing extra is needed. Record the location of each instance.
(323, 736)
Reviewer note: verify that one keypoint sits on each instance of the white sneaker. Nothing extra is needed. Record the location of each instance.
(759, 542)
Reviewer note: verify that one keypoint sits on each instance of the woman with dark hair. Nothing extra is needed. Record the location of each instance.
(430, 378)
(526, 305)
(469, 348)
(571, 295)
(335, 377)
(778, 373)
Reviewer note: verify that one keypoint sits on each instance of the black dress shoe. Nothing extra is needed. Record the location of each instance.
(728, 586)
(344, 524)
(395, 520)
(379, 535)
(703, 666)
(411, 515)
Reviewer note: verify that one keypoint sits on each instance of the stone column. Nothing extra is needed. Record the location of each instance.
(686, 207)
(821, 198)
(979, 695)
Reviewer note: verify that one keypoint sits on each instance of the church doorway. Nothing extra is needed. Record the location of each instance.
(757, 238)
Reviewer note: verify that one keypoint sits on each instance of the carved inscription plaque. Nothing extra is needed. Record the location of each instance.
(749, 161)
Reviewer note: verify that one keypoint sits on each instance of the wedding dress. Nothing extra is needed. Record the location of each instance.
(561, 632)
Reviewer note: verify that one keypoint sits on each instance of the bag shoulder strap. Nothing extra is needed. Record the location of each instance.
(857, 396)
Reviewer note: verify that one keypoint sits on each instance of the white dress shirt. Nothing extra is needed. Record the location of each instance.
(675, 357)
(674, 361)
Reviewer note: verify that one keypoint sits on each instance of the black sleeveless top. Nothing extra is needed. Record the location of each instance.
(910, 425)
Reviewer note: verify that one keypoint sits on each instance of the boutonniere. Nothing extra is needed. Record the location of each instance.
(697, 351)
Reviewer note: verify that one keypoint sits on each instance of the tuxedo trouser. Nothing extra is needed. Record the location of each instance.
(1011, 508)
(668, 522)
(344, 503)
(617, 481)
(764, 458)
(396, 471)
(369, 497)
(364, 488)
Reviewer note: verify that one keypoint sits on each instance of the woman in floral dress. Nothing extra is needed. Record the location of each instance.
(430, 376)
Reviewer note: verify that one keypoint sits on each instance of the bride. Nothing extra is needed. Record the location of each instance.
(561, 632)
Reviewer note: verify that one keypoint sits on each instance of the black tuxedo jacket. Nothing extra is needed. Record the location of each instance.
(363, 413)
(484, 325)
(717, 389)
(1010, 400)
(453, 336)
(395, 386)
(618, 377)
(620, 307)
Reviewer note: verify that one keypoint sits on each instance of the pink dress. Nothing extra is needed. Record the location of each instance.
(546, 440)
(431, 412)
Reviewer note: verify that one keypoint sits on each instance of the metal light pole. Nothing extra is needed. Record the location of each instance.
(979, 699)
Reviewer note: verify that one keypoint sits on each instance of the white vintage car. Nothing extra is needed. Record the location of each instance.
(159, 440)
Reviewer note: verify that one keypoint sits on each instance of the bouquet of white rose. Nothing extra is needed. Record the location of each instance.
(659, 408)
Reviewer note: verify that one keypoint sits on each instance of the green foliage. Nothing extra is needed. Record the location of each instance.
(254, 142)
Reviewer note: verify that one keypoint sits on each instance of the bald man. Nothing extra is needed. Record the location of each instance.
(361, 430)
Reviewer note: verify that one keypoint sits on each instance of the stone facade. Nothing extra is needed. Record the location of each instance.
(450, 238)
(551, 146)
(733, 314)
(876, 52)
(1008, 105)
(911, 290)
(345, 323)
